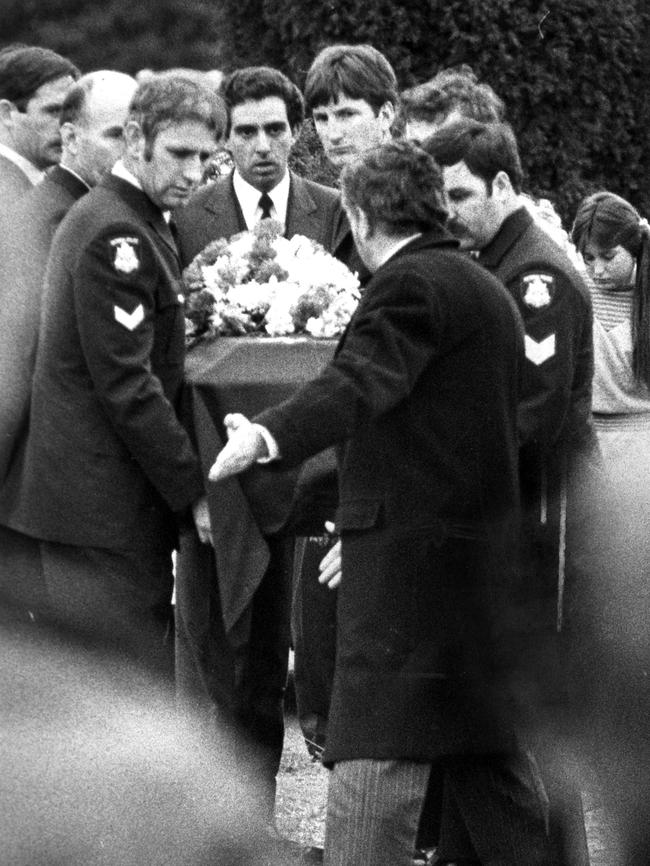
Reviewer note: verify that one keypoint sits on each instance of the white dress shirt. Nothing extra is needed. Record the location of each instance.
(249, 200)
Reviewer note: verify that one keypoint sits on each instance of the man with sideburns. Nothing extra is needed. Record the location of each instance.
(106, 470)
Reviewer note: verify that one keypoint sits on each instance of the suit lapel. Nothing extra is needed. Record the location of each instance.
(302, 211)
(225, 217)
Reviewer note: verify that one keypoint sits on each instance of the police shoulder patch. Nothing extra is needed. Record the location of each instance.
(537, 290)
(125, 254)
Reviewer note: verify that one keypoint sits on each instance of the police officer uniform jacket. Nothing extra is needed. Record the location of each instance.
(555, 305)
(555, 426)
(106, 461)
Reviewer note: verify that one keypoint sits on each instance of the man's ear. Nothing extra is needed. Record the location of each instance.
(502, 185)
(134, 140)
(386, 115)
(7, 109)
(363, 226)
(295, 132)
(69, 137)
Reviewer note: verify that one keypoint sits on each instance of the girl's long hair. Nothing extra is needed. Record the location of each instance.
(607, 220)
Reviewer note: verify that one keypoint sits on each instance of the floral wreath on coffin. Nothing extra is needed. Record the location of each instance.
(261, 283)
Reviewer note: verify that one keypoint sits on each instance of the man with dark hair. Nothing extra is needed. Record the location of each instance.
(91, 120)
(450, 94)
(106, 467)
(265, 110)
(33, 84)
(421, 400)
(351, 93)
(482, 177)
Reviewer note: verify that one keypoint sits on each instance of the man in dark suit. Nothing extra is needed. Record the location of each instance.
(421, 399)
(33, 85)
(92, 119)
(265, 110)
(107, 468)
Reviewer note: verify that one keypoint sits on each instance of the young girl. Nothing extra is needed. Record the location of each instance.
(614, 616)
(615, 243)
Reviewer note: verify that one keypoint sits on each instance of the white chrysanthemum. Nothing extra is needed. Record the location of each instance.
(251, 296)
(285, 252)
(241, 248)
(333, 320)
(315, 281)
(226, 271)
(212, 273)
(279, 319)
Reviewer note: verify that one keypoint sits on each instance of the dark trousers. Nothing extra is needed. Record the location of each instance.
(115, 604)
(313, 631)
(23, 594)
(239, 688)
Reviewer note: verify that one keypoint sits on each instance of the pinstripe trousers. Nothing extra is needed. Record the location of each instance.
(493, 812)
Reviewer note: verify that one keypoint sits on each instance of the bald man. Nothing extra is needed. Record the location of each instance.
(91, 120)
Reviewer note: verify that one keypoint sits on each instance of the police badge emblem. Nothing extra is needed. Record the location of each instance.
(125, 254)
(537, 290)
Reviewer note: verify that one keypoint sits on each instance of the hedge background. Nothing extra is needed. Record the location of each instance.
(574, 74)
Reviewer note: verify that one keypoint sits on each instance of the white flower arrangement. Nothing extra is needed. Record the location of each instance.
(262, 283)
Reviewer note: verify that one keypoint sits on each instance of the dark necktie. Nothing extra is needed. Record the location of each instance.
(265, 203)
(173, 230)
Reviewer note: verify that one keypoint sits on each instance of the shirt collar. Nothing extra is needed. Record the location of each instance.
(397, 246)
(249, 199)
(34, 175)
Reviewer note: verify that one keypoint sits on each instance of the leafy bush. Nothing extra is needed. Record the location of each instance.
(574, 74)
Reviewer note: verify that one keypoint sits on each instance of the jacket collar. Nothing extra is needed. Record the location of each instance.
(512, 228)
(71, 183)
(141, 204)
